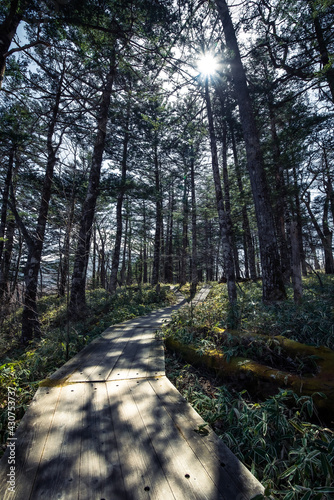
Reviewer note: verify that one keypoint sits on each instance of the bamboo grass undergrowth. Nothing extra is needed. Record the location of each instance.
(290, 455)
(24, 367)
(279, 438)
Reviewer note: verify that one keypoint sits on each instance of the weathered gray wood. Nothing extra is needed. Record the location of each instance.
(100, 467)
(188, 478)
(58, 472)
(228, 473)
(97, 367)
(201, 295)
(142, 473)
(30, 439)
(74, 363)
(111, 426)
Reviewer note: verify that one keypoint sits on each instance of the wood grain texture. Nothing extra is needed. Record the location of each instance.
(111, 426)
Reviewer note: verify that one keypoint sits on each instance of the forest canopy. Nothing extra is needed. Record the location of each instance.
(123, 161)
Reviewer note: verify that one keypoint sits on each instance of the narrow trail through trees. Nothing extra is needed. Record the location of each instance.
(110, 425)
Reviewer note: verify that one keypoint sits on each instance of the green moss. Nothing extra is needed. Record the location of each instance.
(262, 378)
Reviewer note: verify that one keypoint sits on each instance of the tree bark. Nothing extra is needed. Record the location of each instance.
(157, 236)
(272, 281)
(119, 207)
(323, 49)
(184, 250)
(296, 263)
(250, 267)
(77, 304)
(30, 322)
(7, 32)
(280, 194)
(226, 234)
(325, 235)
(194, 258)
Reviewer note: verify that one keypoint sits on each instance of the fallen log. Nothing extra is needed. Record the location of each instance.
(264, 379)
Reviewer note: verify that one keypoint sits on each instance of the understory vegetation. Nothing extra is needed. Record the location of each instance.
(24, 367)
(280, 438)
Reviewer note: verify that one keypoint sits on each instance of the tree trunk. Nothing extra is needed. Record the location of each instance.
(325, 55)
(3, 223)
(145, 270)
(119, 207)
(30, 322)
(102, 261)
(328, 236)
(5, 198)
(280, 195)
(272, 281)
(250, 268)
(7, 31)
(298, 217)
(227, 200)
(129, 267)
(194, 258)
(65, 253)
(78, 297)
(328, 181)
(226, 233)
(169, 238)
(125, 244)
(325, 235)
(184, 249)
(296, 263)
(157, 237)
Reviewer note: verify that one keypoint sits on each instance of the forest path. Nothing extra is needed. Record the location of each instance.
(109, 425)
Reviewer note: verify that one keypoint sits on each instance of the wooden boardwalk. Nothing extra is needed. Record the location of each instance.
(109, 425)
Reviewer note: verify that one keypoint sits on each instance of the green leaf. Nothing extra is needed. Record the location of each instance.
(307, 495)
(288, 472)
(326, 466)
(324, 489)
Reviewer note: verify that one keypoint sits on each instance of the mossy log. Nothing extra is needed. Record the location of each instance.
(265, 379)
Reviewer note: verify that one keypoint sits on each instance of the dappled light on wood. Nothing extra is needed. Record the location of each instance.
(109, 424)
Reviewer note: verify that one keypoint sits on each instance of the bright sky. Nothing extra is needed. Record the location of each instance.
(207, 64)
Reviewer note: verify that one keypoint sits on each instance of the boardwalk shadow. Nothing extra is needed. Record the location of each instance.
(135, 440)
(112, 427)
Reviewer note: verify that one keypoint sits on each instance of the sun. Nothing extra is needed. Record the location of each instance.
(207, 65)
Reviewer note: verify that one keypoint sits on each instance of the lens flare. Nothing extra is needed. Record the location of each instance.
(207, 64)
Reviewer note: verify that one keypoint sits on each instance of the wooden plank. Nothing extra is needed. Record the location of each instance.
(232, 476)
(148, 358)
(130, 439)
(201, 295)
(74, 363)
(142, 473)
(30, 439)
(136, 360)
(121, 369)
(116, 331)
(96, 367)
(156, 360)
(185, 473)
(100, 468)
(58, 473)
